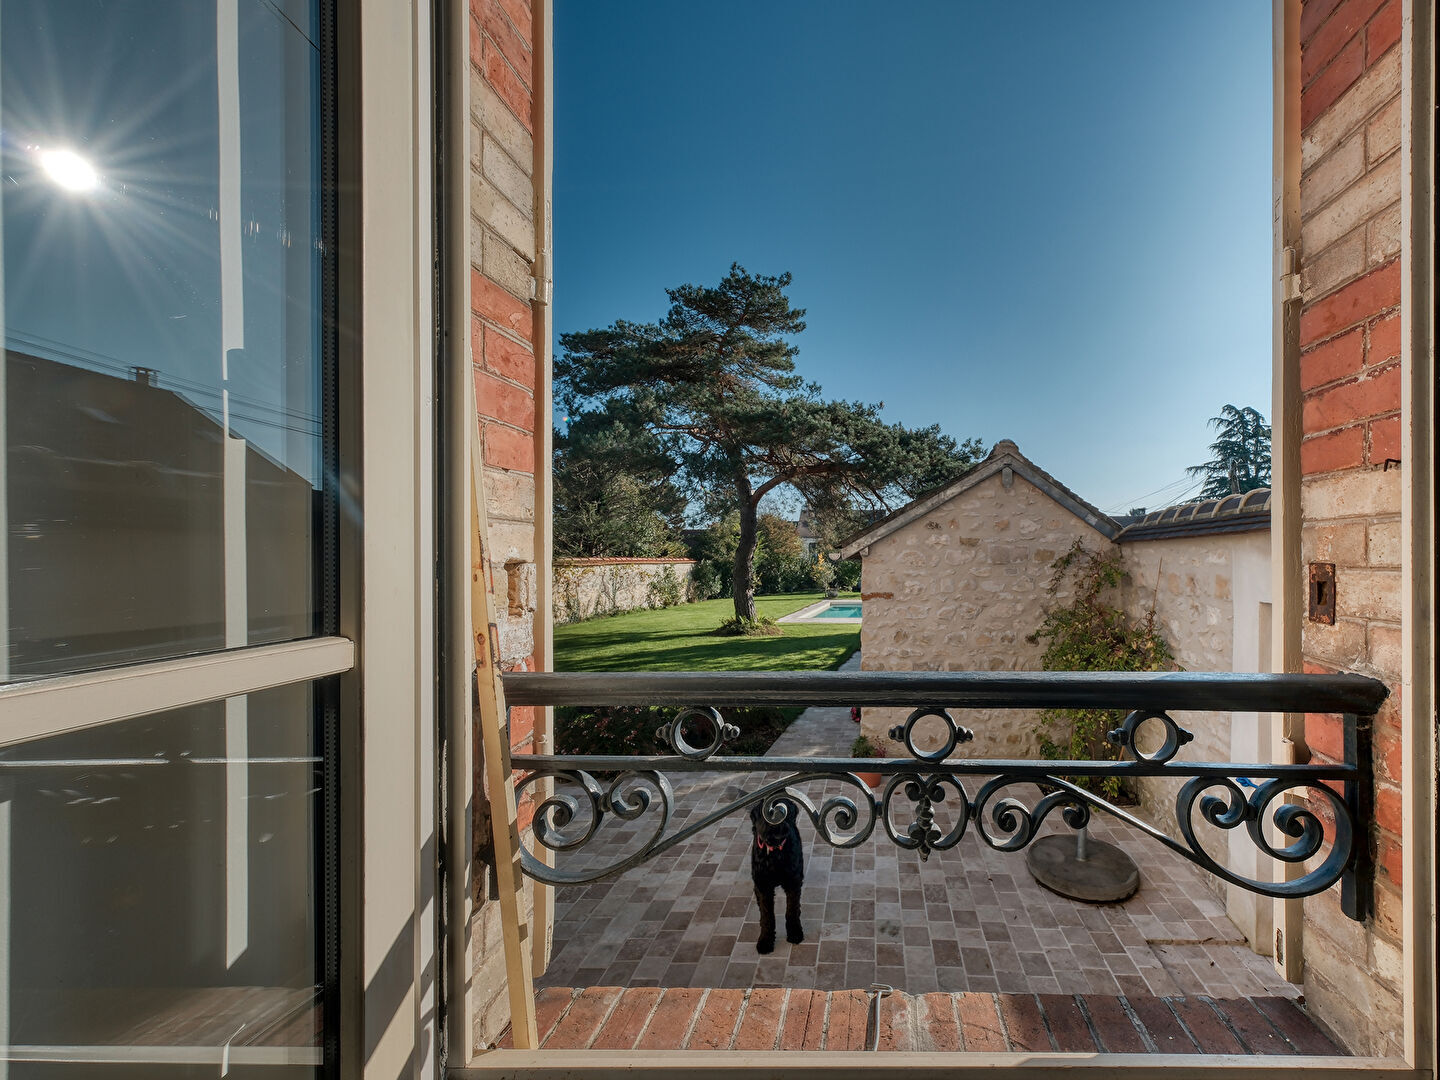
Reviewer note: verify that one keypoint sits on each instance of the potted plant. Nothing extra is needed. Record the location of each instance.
(862, 747)
(1090, 633)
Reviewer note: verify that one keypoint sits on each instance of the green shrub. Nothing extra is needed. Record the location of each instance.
(706, 581)
(862, 747)
(665, 589)
(822, 573)
(761, 626)
(630, 730)
(847, 575)
(1090, 634)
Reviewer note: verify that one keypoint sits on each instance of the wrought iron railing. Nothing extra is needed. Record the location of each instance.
(591, 793)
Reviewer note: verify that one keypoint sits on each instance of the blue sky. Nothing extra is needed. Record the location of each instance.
(1048, 222)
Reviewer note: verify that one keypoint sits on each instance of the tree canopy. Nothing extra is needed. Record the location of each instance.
(708, 397)
(1242, 454)
(610, 500)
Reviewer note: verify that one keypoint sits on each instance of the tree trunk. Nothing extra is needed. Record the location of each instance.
(744, 578)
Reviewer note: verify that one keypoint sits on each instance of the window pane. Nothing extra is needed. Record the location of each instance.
(162, 304)
(163, 888)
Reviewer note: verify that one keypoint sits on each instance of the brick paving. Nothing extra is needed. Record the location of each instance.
(970, 919)
(609, 1018)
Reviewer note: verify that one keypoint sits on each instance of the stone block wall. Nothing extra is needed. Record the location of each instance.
(1350, 486)
(503, 330)
(958, 590)
(585, 588)
(1211, 595)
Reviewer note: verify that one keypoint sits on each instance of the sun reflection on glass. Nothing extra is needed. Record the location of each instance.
(69, 170)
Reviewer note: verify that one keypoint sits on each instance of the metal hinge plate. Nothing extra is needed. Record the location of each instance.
(1289, 275)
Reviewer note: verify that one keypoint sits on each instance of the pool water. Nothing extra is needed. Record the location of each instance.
(840, 611)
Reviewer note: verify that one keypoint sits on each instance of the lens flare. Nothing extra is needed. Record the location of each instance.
(69, 170)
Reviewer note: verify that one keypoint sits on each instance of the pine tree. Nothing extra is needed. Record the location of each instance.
(711, 389)
(1242, 454)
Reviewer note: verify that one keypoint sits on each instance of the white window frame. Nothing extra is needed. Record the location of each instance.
(1418, 700)
(388, 920)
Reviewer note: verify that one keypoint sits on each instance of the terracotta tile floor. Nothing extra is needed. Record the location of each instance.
(969, 919)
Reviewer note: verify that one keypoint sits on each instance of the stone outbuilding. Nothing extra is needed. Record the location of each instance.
(957, 579)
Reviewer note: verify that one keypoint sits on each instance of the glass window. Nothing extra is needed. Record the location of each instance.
(161, 890)
(164, 436)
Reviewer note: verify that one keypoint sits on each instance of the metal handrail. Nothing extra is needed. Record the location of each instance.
(591, 790)
(1179, 690)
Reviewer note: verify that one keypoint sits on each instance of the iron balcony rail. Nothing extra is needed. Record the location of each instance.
(595, 790)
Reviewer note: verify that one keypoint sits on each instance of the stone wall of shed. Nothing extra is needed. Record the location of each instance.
(1211, 595)
(958, 590)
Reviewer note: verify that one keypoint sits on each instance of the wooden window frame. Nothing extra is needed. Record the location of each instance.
(1420, 975)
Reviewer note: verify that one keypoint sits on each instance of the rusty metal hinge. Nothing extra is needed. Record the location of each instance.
(1289, 275)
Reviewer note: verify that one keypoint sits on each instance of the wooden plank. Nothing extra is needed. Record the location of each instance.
(495, 745)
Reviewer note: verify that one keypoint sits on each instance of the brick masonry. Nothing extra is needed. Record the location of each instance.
(684, 1018)
(1350, 502)
(502, 243)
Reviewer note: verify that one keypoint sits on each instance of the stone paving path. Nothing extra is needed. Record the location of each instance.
(969, 919)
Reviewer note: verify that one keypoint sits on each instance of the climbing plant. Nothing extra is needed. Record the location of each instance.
(1089, 633)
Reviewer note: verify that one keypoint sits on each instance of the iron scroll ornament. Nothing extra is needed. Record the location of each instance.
(563, 822)
(570, 818)
(638, 790)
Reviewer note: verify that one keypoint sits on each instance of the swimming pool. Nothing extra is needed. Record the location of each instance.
(828, 611)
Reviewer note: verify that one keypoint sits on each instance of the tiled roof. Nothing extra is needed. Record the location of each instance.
(1233, 513)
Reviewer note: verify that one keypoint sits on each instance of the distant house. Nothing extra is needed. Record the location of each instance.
(805, 529)
(120, 480)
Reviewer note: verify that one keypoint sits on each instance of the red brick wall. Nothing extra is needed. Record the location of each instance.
(502, 249)
(503, 326)
(1350, 494)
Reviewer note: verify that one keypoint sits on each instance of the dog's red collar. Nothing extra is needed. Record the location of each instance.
(763, 846)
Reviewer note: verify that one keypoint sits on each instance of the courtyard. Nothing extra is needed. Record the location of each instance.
(970, 919)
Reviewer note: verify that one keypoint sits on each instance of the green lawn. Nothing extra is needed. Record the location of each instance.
(682, 639)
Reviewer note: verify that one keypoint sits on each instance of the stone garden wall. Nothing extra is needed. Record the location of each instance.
(585, 588)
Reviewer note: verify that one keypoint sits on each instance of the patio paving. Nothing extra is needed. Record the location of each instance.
(970, 919)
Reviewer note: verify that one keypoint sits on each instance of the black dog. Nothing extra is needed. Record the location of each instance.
(777, 859)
